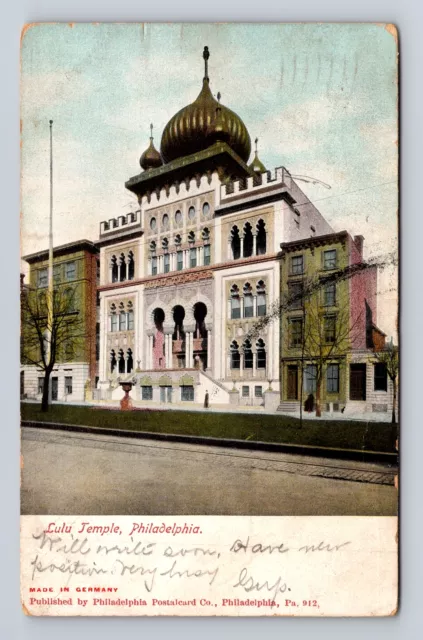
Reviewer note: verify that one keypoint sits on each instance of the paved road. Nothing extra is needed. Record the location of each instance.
(73, 473)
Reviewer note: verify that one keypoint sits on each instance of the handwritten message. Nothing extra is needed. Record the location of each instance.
(208, 566)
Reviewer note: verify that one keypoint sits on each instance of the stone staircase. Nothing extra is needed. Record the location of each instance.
(289, 406)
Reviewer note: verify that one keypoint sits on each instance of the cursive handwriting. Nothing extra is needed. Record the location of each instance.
(249, 583)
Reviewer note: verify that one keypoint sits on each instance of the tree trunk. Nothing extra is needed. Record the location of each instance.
(318, 394)
(46, 386)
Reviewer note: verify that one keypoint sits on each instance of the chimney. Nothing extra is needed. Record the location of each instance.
(359, 243)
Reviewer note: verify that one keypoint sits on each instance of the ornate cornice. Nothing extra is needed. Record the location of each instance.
(181, 278)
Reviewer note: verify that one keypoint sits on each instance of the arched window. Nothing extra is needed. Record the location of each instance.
(178, 217)
(235, 243)
(122, 264)
(165, 244)
(129, 361)
(191, 213)
(113, 318)
(205, 234)
(153, 224)
(114, 268)
(248, 301)
(248, 240)
(248, 355)
(235, 355)
(261, 298)
(131, 266)
(191, 237)
(261, 354)
(130, 324)
(235, 303)
(206, 209)
(121, 362)
(178, 239)
(113, 360)
(165, 221)
(153, 246)
(261, 238)
(122, 318)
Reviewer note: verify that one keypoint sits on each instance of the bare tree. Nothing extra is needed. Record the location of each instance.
(49, 338)
(389, 356)
(326, 335)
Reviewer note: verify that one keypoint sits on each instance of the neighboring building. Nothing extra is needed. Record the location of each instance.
(186, 277)
(75, 274)
(330, 334)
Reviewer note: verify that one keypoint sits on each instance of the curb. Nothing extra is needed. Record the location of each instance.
(299, 449)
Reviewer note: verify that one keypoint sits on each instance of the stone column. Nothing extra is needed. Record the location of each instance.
(229, 309)
(254, 363)
(209, 349)
(254, 306)
(242, 245)
(200, 256)
(242, 306)
(110, 272)
(241, 363)
(254, 244)
(189, 350)
(149, 267)
(229, 249)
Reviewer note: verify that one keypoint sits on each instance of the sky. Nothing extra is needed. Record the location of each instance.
(321, 98)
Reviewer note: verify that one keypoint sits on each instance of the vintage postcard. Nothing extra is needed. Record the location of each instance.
(209, 319)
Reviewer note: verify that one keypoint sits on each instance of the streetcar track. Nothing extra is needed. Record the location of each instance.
(206, 450)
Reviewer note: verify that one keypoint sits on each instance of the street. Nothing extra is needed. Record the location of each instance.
(75, 473)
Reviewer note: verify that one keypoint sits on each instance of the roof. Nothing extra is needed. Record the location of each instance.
(315, 241)
(62, 250)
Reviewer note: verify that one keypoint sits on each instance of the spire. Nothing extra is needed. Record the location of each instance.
(206, 56)
(151, 159)
(257, 166)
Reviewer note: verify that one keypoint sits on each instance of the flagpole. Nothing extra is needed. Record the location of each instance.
(50, 260)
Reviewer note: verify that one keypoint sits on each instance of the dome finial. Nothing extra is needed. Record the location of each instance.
(151, 159)
(151, 131)
(257, 166)
(206, 56)
(256, 142)
(219, 95)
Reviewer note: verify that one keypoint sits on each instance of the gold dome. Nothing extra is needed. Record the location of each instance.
(256, 165)
(189, 130)
(151, 158)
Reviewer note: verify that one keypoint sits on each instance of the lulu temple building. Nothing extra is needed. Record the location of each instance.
(186, 277)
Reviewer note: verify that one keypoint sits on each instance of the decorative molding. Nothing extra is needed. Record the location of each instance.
(181, 278)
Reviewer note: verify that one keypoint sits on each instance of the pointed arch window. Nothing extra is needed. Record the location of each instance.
(121, 362)
(248, 301)
(122, 265)
(248, 355)
(131, 266)
(113, 361)
(235, 243)
(129, 361)
(261, 354)
(130, 323)
(235, 303)
(114, 268)
(261, 298)
(248, 240)
(261, 238)
(235, 355)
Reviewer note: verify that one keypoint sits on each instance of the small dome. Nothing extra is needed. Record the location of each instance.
(151, 158)
(256, 165)
(193, 127)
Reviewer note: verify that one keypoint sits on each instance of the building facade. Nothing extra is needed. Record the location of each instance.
(75, 276)
(328, 329)
(187, 279)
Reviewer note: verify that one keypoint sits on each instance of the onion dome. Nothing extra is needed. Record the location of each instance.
(193, 128)
(256, 165)
(151, 158)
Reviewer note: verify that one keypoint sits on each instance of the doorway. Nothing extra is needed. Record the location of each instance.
(357, 381)
(292, 382)
(54, 388)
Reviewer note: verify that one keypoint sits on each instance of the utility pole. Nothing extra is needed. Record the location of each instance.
(50, 263)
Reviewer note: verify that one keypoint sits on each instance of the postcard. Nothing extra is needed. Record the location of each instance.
(209, 355)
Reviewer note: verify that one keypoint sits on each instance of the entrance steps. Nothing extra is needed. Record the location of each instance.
(289, 407)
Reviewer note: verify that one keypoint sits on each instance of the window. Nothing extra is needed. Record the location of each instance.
(131, 266)
(297, 265)
(245, 392)
(114, 268)
(178, 217)
(122, 321)
(332, 378)
(248, 355)
(206, 209)
(380, 377)
(147, 393)
(235, 241)
(187, 393)
(42, 277)
(310, 378)
(56, 274)
(68, 385)
(154, 266)
(235, 306)
(113, 322)
(248, 306)
(166, 263)
(295, 332)
(165, 221)
(330, 329)
(70, 271)
(129, 361)
(191, 213)
(121, 362)
(40, 385)
(295, 293)
(329, 294)
(258, 392)
(113, 361)
(206, 255)
(235, 355)
(191, 237)
(261, 354)
(153, 224)
(130, 320)
(329, 259)
(180, 260)
(261, 238)
(193, 257)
